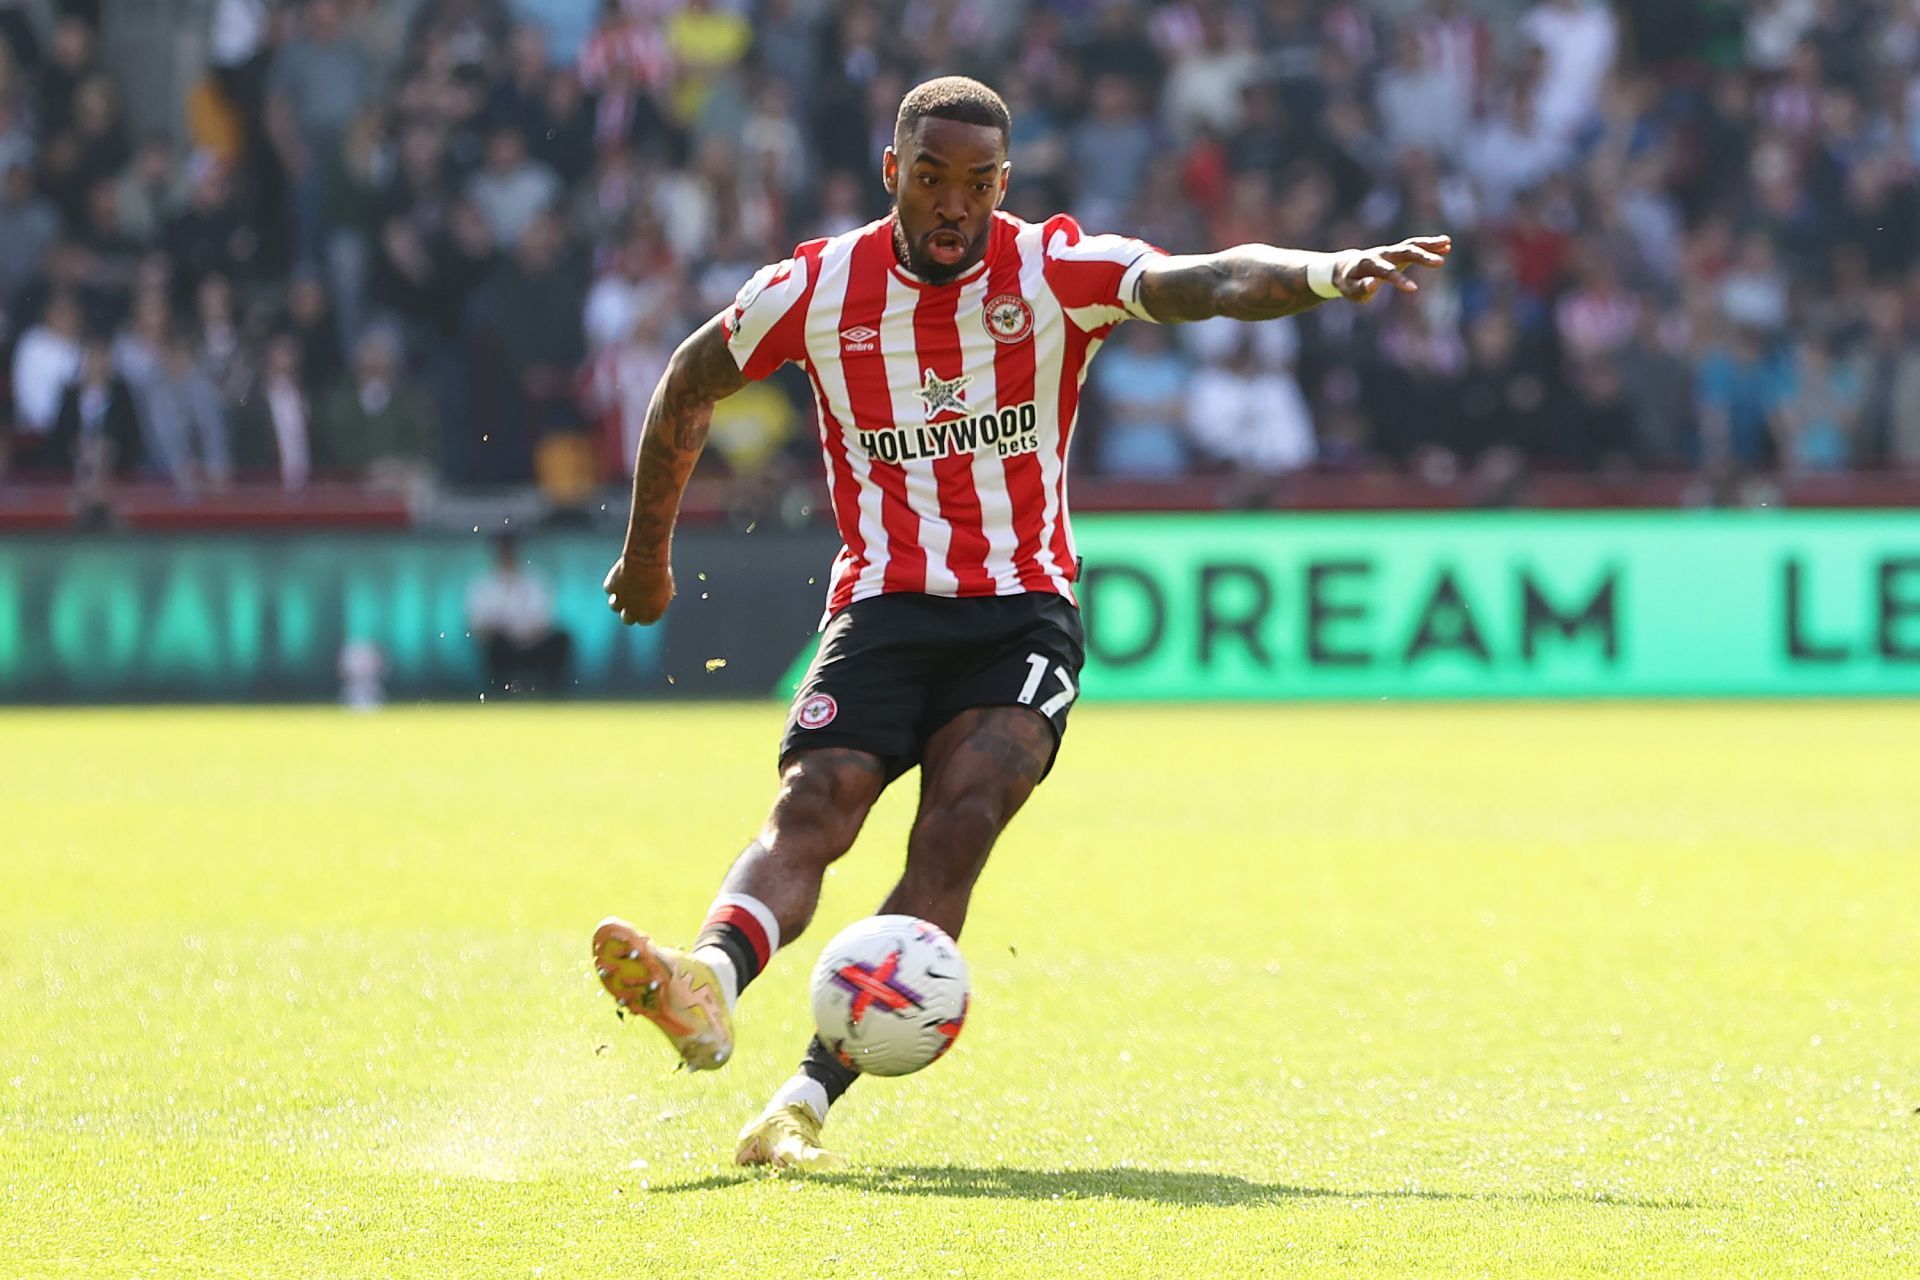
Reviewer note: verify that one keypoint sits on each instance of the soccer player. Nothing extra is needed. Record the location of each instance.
(947, 344)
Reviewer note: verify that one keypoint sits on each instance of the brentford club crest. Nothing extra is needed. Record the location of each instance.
(1009, 318)
(818, 711)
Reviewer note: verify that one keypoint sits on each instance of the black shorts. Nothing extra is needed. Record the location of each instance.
(893, 669)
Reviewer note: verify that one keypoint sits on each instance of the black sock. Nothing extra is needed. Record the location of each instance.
(827, 1071)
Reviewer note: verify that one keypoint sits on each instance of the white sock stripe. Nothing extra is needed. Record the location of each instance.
(755, 908)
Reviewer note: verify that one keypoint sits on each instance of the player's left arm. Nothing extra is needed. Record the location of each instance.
(1265, 282)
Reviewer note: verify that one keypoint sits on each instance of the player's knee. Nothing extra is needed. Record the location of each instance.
(817, 814)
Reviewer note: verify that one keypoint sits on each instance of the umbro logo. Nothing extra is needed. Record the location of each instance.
(858, 338)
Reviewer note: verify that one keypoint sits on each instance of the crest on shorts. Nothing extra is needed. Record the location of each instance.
(1008, 317)
(818, 711)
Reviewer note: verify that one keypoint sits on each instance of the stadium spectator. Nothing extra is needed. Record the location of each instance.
(1773, 32)
(1250, 417)
(273, 423)
(1501, 405)
(186, 423)
(223, 354)
(1753, 293)
(46, 360)
(237, 43)
(564, 132)
(1597, 317)
(1660, 394)
(631, 285)
(1578, 40)
(1890, 411)
(1742, 388)
(372, 426)
(96, 429)
(1819, 417)
(1596, 425)
(98, 129)
(140, 347)
(518, 97)
(527, 324)
(1422, 105)
(622, 376)
(309, 317)
(510, 613)
(212, 233)
(1110, 150)
(29, 225)
(512, 189)
(1208, 82)
(1512, 151)
(73, 59)
(750, 429)
(707, 43)
(320, 81)
(1141, 381)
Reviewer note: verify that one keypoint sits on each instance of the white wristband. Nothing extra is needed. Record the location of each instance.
(1320, 274)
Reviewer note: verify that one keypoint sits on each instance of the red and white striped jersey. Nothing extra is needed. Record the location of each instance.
(945, 410)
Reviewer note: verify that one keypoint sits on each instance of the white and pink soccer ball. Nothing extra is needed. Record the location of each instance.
(890, 995)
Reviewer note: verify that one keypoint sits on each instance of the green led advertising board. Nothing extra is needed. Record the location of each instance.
(1353, 606)
(101, 619)
(1266, 606)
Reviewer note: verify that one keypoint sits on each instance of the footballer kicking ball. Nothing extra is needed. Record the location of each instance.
(890, 995)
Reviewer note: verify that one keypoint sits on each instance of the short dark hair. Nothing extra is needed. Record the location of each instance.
(959, 98)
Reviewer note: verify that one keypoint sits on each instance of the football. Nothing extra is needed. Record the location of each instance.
(890, 994)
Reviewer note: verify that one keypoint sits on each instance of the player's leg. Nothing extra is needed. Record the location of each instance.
(978, 770)
(767, 898)
(995, 731)
(852, 729)
(771, 891)
(998, 726)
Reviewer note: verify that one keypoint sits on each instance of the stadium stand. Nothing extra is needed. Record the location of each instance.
(367, 255)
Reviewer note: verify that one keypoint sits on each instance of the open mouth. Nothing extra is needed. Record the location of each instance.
(946, 247)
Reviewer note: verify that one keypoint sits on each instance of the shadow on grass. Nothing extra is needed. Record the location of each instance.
(1160, 1186)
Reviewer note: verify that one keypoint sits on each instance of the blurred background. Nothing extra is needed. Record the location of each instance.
(304, 306)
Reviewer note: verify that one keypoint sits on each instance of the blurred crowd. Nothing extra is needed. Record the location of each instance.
(453, 242)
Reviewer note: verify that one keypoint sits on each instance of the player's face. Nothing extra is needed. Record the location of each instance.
(946, 179)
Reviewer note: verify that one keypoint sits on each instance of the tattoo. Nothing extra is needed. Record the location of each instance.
(1251, 282)
(701, 373)
(1010, 751)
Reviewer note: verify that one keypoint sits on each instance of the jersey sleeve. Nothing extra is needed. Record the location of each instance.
(1096, 278)
(765, 325)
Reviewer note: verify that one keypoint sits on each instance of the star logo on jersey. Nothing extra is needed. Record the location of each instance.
(944, 395)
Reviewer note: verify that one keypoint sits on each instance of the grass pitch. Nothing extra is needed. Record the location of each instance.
(1431, 991)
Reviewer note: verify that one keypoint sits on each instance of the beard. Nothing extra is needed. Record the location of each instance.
(920, 264)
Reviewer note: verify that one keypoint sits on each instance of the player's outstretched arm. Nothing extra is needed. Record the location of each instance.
(1264, 282)
(701, 373)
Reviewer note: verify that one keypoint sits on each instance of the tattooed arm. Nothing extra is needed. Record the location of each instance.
(1262, 282)
(701, 373)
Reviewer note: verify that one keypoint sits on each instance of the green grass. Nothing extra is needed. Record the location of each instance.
(1433, 991)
